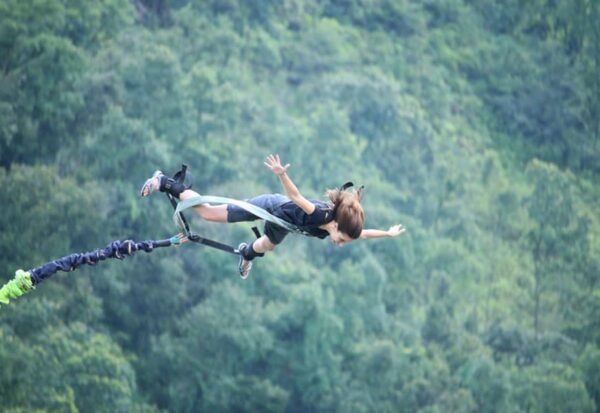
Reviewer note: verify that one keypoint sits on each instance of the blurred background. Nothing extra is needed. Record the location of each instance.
(474, 123)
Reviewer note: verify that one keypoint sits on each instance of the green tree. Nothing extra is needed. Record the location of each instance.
(70, 369)
(588, 364)
(66, 216)
(551, 387)
(231, 343)
(44, 44)
(551, 210)
(488, 383)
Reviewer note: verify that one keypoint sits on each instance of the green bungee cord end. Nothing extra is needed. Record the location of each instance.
(16, 287)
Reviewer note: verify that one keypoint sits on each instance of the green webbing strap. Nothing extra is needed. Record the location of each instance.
(253, 209)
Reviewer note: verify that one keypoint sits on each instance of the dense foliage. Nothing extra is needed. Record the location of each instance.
(475, 123)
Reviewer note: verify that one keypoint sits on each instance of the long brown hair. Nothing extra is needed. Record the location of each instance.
(347, 210)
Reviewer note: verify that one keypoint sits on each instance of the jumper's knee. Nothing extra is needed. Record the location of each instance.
(270, 246)
(263, 244)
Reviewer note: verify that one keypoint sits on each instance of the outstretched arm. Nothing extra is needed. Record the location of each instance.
(274, 164)
(394, 231)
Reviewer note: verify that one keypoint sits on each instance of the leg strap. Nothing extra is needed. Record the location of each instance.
(249, 254)
(171, 186)
(176, 185)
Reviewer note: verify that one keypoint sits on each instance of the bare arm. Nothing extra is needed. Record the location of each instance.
(274, 164)
(394, 231)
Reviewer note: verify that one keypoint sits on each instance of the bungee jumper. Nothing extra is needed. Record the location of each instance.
(342, 219)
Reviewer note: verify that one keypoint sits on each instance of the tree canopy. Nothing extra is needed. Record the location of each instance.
(475, 124)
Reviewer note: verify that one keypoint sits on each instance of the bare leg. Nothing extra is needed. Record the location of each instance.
(263, 244)
(214, 213)
(249, 252)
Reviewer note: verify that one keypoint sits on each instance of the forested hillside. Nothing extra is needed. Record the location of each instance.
(474, 123)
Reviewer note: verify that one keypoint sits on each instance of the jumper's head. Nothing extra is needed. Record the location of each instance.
(349, 214)
(338, 237)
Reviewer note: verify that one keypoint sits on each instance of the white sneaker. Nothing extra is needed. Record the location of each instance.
(151, 185)
(245, 266)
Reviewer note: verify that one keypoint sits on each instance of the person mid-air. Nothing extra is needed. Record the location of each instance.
(341, 218)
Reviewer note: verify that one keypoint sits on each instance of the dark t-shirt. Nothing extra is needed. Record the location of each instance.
(282, 207)
(292, 213)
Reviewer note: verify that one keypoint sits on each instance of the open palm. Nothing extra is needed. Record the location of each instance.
(274, 164)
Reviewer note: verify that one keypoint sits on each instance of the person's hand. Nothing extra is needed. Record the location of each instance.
(179, 239)
(274, 164)
(396, 230)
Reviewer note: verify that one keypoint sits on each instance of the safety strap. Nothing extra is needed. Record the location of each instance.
(253, 209)
(183, 224)
(213, 244)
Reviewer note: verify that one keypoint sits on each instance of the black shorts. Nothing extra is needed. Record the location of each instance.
(268, 202)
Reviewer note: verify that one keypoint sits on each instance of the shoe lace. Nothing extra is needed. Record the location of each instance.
(246, 267)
